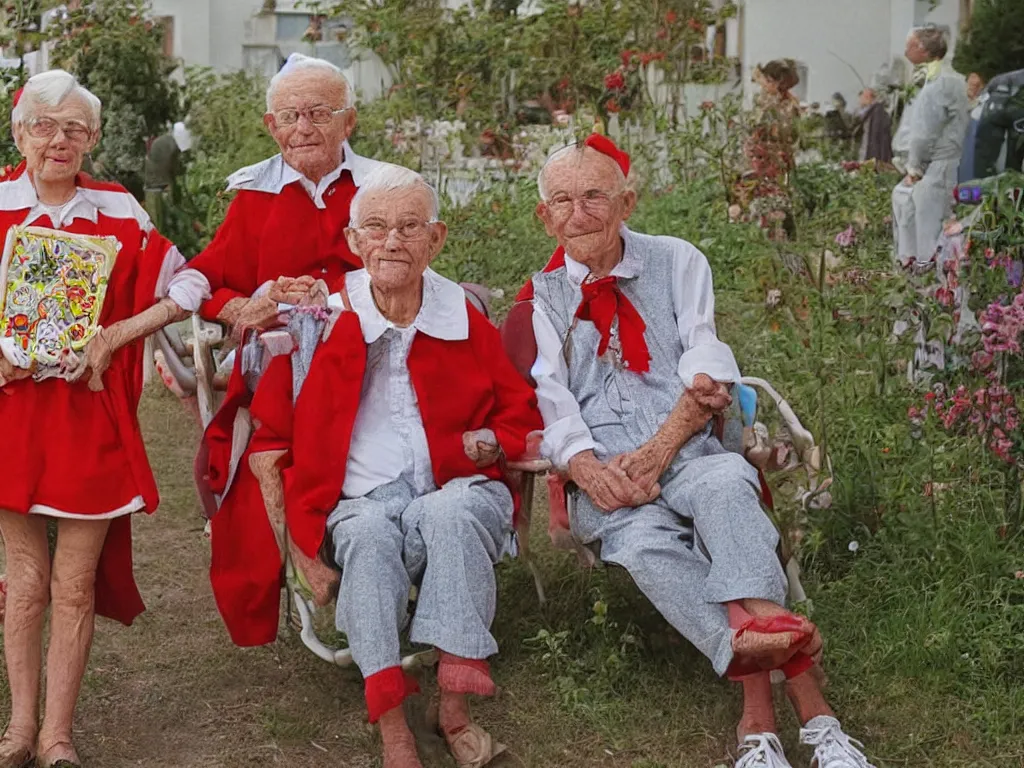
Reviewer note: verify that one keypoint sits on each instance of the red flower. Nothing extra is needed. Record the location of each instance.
(612, 106)
(707, 106)
(614, 81)
(627, 56)
(662, 33)
(671, 17)
(695, 25)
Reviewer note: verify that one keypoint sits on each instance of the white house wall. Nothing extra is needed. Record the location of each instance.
(829, 37)
(208, 32)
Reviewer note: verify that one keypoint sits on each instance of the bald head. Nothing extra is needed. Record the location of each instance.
(569, 162)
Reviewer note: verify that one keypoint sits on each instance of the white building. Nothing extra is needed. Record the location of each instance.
(841, 45)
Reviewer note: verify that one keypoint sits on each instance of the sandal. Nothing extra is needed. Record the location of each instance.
(16, 757)
(60, 762)
(794, 658)
(472, 746)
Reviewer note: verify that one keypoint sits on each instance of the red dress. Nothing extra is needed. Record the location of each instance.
(72, 452)
(460, 386)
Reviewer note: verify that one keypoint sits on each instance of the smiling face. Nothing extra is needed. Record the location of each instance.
(395, 238)
(58, 157)
(586, 203)
(313, 150)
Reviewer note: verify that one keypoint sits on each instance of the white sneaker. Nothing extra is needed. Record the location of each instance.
(832, 747)
(762, 750)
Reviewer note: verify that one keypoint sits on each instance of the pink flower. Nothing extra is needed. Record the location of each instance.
(847, 237)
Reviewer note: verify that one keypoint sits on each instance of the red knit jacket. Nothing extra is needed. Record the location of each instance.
(460, 386)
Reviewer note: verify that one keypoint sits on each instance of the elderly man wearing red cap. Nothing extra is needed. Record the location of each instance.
(629, 373)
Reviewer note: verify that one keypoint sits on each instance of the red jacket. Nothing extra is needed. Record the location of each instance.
(460, 386)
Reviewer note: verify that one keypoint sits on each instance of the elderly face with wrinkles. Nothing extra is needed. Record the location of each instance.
(396, 237)
(311, 148)
(55, 139)
(586, 200)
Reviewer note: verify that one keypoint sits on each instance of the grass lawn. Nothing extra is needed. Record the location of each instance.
(924, 622)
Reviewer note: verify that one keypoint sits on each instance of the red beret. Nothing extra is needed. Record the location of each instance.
(606, 146)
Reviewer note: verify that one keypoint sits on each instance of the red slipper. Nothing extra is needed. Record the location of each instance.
(792, 658)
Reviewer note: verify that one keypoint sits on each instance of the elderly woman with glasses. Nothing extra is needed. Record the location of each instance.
(391, 460)
(73, 452)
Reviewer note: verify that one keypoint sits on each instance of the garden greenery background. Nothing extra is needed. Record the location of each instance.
(916, 571)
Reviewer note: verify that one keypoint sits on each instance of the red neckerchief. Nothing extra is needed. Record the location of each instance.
(602, 302)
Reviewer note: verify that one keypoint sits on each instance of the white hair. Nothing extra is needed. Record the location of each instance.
(297, 63)
(392, 178)
(51, 89)
(557, 154)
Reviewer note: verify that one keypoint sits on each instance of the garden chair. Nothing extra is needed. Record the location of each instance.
(301, 610)
(792, 450)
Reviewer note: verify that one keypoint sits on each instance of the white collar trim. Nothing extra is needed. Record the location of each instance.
(274, 174)
(630, 265)
(86, 204)
(442, 315)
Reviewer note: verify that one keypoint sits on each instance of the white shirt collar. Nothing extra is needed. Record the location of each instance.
(20, 193)
(630, 265)
(274, 174)
(442, 315)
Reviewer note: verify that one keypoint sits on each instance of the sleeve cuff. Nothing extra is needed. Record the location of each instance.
(565, 438)
(210, 309)
(714, 359)
(188, 289)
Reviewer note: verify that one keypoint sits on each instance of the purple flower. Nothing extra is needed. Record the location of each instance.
(847, 237)
(1015, 273)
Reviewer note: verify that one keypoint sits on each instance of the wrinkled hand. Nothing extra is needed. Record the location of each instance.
(10, 372)
(259, 313)
(481, 446)
(646, 465)
(291, 290)
(316, 295)
(322, 580)
(709, 395)
(608, 485)
(95, 359)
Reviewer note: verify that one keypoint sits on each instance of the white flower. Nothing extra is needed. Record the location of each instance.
(854, 546)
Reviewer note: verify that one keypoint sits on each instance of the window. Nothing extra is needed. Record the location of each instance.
(292, 26)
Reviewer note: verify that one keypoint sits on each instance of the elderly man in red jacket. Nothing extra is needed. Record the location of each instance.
(390, 441)
(284, 234)
(289, 214)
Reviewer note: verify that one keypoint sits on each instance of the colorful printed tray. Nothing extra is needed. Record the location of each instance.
(52, 286)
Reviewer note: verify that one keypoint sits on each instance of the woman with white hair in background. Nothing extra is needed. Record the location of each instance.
(73, 451)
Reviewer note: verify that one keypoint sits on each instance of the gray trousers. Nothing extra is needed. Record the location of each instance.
(447, 541)
(918, 211)
(704, 542)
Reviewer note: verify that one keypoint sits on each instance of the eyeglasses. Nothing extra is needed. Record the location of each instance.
(407, 231)
(592, 201)
(46, 128)
(321, 115)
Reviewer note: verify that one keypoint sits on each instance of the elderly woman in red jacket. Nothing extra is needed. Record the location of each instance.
(392, 468)
(73, 452)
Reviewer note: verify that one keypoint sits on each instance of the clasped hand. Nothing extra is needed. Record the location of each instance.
(632, 479)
